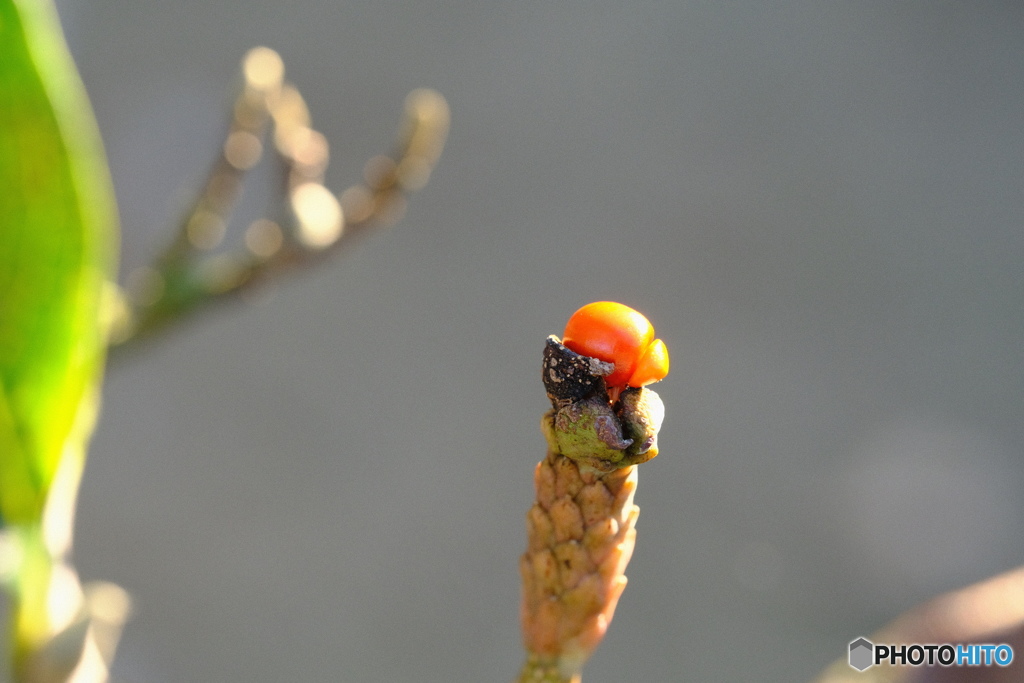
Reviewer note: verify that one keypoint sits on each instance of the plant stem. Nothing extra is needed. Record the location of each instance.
(538, 669)
(581, 529)
(314, 225)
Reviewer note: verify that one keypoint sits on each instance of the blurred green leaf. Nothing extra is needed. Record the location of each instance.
(57, 232)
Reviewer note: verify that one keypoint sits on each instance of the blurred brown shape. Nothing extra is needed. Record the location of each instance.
(201, 265)
(988, 612)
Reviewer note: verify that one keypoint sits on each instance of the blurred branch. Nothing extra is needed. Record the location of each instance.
(193, 271)
(991, 611)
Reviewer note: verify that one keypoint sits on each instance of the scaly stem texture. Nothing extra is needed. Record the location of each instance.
(581, 533)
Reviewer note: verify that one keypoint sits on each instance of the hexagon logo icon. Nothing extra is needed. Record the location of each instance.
(861, 654)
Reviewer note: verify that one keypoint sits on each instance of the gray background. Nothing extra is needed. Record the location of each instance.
(819, 205)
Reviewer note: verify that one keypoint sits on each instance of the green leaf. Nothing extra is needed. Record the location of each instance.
(57, 237)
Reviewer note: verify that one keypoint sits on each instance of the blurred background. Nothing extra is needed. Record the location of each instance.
(819, 206)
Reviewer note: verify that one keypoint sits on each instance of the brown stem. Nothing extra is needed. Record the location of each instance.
(316, 224)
